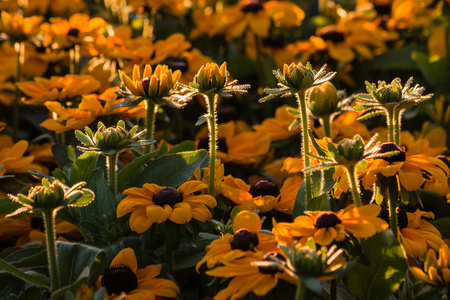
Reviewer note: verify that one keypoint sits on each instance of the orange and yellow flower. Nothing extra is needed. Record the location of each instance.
(18, 28)
(12, 159)
(156, 204)
(123, 280)
(435, 272)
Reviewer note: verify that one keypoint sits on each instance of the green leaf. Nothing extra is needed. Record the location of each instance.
(83, 167)
(25, 257)
(31, 293)
(30, 277)
(133, 169)
(8, 206)
(72, 288)
(386, 271)
(313, 284)
(183, 147)
(435, 71)
(73, 258)
(443, 225)
(64, 155)
(435, 203)
(202, 119)
(86, 198)
(171, 169)
(396, 59)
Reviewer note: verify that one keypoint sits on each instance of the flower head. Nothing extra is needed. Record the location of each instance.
(436, 272)
(123, 279)
(323, 99)
(17, 27)
(156, 204)
(110, 140)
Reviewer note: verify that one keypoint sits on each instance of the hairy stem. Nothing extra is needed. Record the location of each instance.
(112, 176)
(20, 58)
(397, 121)
(351, 171)
(150, 119)
(392, 201)
(301, 290)
(211, 100)
(390, 124)
(301, 99)
(326, 123)
(75, 59)
(52, 254)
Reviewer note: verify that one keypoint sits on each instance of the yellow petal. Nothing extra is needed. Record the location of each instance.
(125, 257)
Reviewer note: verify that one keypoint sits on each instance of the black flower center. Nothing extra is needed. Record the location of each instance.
(271, 257)
(264, 188)
(73, 32)
(177, 63)
(244, 240)
(167, 196)
(102, 102)
(382, 8)
(146, 84)
(119, 279)
(389, 147)
(252, 6)
(326, 220)
(402, 216)
(37, 223)
(332, 35)
(203, 143)
(445, 160)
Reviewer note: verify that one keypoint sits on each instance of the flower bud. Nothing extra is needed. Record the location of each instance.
(47, 197)
(306, 262)
(210, 77)
(323, 99)
(298, 76)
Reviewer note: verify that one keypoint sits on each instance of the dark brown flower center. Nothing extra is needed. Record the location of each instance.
(252, 6)
(264, 188)
(146, 85)
(445, 160)
(402, 216)
(73, 32)
(37, 223)
(203, 143)
(271, 257)
(244, 240)
(326, 220)
(333, 35)
(167, 196)
(119, 279)
(177, 63)
(382, 8)
(389, 147)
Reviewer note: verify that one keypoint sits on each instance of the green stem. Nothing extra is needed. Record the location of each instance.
(59, 137)
(326, 123)
(390, 125)
(447, 50)
(151, 108)
(333, 289)
(351, 171)
(52, 254)
(301, 290)
(397, 119)
(305, 143)
(75, 59)
(20, 58)
(211, 100)
(112, 176)
(392, 202)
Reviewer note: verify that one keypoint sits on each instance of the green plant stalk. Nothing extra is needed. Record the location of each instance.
(326, 124)
(301, 289)
(392, 202)
(397, 121)
(112, 176)
(150, 119)
(390, 124)
(20, 56)
(52, 254)
(211, 100)
(59, 137)
(75, 59)
(351, 171)
(305, 143)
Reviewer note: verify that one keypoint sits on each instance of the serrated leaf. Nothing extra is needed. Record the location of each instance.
(202, 119)
(83, 167)
(84, 139)
(386, 271)
(8, 206)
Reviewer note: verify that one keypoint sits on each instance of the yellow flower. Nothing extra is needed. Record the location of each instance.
(248, 276)
(7, 90)
(156, 204)
(58, 88)
(152, 85)
(416, 234)
(18, 28)
(326, 226)
(436, 272)
(66, 8)
(177, 7)
(278, 127)
(245, 241)
(238, 143)
(112, 47)
(12, 159)
(408, 169)
(123, 280)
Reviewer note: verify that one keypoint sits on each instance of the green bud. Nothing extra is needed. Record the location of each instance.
(307, 262)
(47, 197)
(323, 99)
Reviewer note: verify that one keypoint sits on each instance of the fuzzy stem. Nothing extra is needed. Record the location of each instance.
(211, 100)
(52, 254)
(75, 59)
(351, 171)
(305, 143)
(301, 290)
(397, 121)
(20, 58)
(59, 137)
(151, 109)
(390, 124)
(392, 201)
(112, 176)
(326, 124)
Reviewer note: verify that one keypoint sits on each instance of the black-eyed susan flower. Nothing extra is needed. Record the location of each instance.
(415, 233)
(245, 240)
(156, 204)
(123, 279)
(17, 27)
(326, 226)
(436, 272)
(12, 159)
(58, 88)
(278, 127)
(7, 90)
(248, 276)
